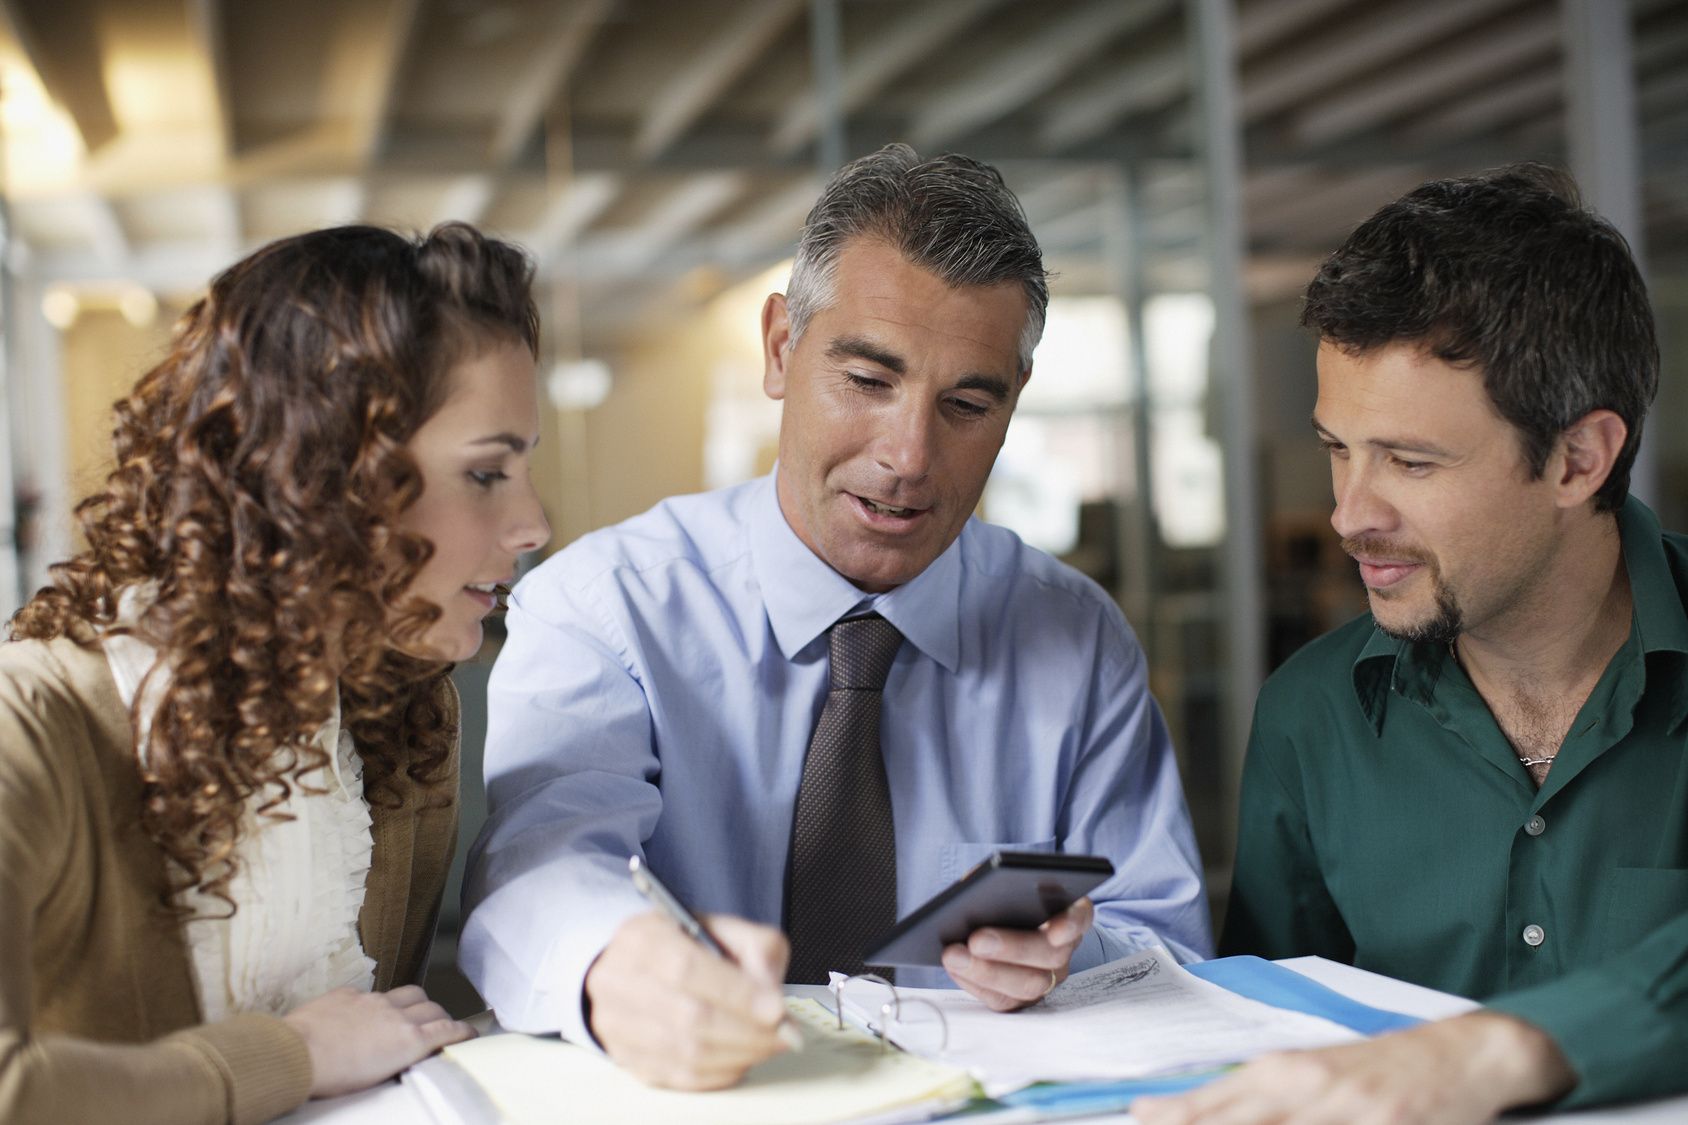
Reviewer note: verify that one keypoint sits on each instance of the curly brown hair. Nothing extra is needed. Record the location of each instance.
(259, 472)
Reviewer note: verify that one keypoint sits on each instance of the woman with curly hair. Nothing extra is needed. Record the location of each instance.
(228, 743)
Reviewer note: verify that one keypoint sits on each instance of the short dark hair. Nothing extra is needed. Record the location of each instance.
(1508, 273)
(951, 215)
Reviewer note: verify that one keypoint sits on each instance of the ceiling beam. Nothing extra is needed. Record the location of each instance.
(59, 39)
(467, 198)
(917, 32)
(714, 66)
(1264, 24)
(206, 21)
(1093, 108)
(1059, 191)
(1339, 203)
(1161, 77)
(105, 230)
(1538, 92)
(1486, 61)
(683, 210)
(1354, 48)
(384, 53)
(580, 201)
(229, 222)
(563, 45)
(1013, 77)
(776, 224)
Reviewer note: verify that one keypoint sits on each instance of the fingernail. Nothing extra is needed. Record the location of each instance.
(1060, 933)
(957, 960)
(986, 945)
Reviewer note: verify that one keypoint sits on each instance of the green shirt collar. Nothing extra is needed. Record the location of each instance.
(1412, 670)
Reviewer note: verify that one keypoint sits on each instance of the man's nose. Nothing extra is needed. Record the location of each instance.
(1360, 509)
(907, 446)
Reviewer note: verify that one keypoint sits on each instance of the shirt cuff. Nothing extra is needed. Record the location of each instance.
(1622, 1046)
(548, 996)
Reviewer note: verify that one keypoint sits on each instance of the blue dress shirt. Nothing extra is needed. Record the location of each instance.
(657, 694)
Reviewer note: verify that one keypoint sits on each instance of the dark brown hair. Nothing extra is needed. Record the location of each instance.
(1506, 273)
(259, 472)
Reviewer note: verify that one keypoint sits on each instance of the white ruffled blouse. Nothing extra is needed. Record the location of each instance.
(299, 884)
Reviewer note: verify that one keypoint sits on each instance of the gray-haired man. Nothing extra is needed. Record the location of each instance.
(814, 700)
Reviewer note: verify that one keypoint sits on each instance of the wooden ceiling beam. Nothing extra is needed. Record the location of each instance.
(59, 39)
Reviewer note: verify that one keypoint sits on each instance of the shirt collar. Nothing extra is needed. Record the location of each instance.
(1660, 618)
(804, 595)
(1659, 613)
(1412, 670)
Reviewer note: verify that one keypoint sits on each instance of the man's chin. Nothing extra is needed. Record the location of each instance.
(876, 572)
(1420, 629)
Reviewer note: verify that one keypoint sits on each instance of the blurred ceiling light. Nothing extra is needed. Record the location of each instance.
(578, 384)
(158, 86)
(138, 306)
(64, 304)
(43, 149)
(60, 306)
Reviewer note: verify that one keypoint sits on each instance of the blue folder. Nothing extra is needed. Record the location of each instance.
(1253, 977)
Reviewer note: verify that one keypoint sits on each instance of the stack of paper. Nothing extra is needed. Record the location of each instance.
(840, 1075)
(1138, 1016)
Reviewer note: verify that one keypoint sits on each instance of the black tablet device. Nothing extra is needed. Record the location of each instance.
(1015, 890)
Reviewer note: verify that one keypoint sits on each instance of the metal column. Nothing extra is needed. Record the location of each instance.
(1212, 29)
(1601, 130)
(826, 51)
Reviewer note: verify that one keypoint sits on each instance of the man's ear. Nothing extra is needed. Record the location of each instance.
(776, 341)
(1585, 454)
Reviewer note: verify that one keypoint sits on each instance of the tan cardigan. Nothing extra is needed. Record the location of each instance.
(99, 1020)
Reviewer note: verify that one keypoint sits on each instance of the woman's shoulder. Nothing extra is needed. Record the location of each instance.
(58, 691)
(49, 675)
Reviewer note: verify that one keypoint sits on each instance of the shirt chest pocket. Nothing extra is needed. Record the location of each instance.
(1638, 901)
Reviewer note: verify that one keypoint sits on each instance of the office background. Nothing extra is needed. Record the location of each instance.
(1185, 164)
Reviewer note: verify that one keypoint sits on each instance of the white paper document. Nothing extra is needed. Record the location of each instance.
(840, 1075)
(1133, 1017)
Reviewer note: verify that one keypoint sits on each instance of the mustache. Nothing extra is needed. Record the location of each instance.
(1376, 548)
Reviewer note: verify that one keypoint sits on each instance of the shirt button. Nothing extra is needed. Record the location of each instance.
(1535, 826)
(1534, 935)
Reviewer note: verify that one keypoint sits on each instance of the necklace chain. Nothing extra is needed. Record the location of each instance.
(1524, 760)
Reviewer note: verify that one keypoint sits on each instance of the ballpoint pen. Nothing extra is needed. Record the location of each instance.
(663, 899)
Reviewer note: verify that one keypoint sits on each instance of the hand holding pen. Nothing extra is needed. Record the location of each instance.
(663, 899)
(674, 1013)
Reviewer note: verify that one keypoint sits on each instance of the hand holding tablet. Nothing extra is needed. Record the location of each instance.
(1009, 890)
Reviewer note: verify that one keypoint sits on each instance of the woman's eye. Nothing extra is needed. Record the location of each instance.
(486, 478)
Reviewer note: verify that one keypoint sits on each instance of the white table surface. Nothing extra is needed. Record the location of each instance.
(394, 1103)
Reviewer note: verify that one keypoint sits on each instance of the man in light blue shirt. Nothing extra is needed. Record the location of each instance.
(663, 677)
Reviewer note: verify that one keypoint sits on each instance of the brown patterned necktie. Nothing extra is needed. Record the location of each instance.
(841, 885)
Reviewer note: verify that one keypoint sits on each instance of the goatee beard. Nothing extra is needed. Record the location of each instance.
(1440, 629)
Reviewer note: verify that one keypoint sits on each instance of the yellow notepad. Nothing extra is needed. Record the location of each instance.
(840, 1075)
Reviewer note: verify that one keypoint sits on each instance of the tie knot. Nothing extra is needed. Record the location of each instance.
(862, 649)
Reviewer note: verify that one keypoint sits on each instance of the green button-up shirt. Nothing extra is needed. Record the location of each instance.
(1387, 823)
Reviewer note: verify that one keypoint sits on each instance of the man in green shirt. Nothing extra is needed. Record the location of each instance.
(1481, 785)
